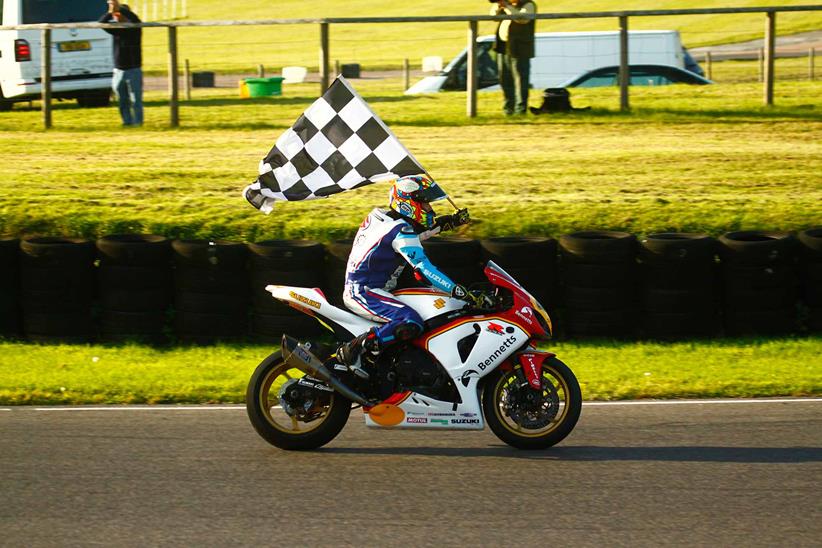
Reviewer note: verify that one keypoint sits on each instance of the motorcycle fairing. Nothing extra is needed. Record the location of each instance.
(493, 340)
(313, 302)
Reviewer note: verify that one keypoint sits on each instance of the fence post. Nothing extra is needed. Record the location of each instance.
(709, 70)
(187, 80)
(172, 76)
(770, 38)
(337, 70)
(471, 71)
(761, 58)
(324, 58)
(811, 55)
(260, 71)
(45, 75)
(406, 75)
(624, 69)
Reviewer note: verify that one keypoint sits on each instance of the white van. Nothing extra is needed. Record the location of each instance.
(563, 56)
(81, 61)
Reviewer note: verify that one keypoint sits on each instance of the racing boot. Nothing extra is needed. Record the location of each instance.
(363, 348)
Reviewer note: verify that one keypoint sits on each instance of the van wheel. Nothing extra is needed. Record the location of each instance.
(5, 106)
(94, 100)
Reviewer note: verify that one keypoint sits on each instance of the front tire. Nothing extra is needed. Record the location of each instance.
(529, 419)
(309, 428)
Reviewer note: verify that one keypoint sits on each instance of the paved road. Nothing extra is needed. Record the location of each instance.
(743, 474)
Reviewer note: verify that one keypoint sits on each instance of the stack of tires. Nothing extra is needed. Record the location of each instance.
(759, 282)
(210, 290)
(9, 280)
(810, 265)
(336, 262)
(283, 262)
(680, 287)
(457, 257)
(532, 261)
(134, 281)
(57, 288)
(598, 271)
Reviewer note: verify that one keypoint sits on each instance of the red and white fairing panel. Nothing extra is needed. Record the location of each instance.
(429, 302)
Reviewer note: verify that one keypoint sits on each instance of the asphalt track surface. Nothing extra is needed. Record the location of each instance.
(685, 473)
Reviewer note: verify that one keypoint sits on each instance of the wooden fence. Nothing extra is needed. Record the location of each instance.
(623, 18)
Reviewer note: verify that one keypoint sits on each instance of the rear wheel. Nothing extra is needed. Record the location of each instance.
(291, 415)
(532, 419)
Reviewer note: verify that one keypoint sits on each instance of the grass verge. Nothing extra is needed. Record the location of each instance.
(607, 370)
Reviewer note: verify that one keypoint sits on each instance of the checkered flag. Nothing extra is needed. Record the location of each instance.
(337, 144)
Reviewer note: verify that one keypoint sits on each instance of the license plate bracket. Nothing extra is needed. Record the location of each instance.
(74, 45)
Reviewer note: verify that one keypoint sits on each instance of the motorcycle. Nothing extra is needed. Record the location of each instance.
(470, 366)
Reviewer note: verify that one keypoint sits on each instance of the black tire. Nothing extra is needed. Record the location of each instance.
(74, 326)
(811, 243)
(286, 255)
(677, 300)
(210, 303)
(759, 277)
(587, 298)
(758, 322)
(677, 248)
(133, 277)
(694, 277)
(220, 254)
(120, 326)
(271, 327)
(811, 284)
(620, 274)
(600, 323)
(681, 325)
(338, 251)
(740, 300)
(134, 250)
(135, 300)
(207, 280)
(520, 251)
(56, 252)
(204, 328)
(452, 251)
(493, 394)
(598, 246)
(755, 247)
(258, 407)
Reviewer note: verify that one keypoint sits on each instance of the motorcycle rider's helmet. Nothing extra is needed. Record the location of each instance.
(410, 196)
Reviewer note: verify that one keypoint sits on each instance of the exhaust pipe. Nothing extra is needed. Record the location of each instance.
(299, 357)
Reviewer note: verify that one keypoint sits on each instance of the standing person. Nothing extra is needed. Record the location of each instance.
(127, 80)
(515, 48)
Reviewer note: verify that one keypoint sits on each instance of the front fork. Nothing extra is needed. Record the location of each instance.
(531, 366)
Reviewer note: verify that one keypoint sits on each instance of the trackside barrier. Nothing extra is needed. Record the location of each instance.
(622, 18)
(595, 283)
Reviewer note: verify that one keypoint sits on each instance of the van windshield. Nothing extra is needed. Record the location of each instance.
(60, 11)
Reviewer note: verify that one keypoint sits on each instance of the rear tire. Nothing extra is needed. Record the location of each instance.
(261, 403)
(556, 413)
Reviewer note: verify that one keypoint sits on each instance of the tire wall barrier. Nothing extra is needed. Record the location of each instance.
(134, 286)
(594, 284)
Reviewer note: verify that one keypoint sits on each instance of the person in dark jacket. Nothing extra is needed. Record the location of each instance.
(127, 81)
(515, 48)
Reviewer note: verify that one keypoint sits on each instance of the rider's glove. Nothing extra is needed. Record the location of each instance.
(450, 222)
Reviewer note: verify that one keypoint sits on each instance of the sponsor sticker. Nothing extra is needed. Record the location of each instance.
(507, 343)
(495, 328)
(526, 314)
(464, 421)
(416, 420)
(439, 303)
(439, 421)
(305, 300)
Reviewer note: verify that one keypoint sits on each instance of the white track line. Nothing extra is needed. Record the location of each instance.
(585, 404)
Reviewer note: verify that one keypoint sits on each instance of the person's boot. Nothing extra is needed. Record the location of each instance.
(351, 354)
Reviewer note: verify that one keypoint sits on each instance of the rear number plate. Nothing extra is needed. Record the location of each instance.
(77, 45)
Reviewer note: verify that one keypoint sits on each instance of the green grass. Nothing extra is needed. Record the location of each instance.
(80, 374)
(705, 158)
(386, 45)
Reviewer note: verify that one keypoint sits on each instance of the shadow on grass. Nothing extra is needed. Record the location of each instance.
(775, 455)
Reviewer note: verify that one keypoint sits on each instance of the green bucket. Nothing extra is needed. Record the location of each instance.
(263, 87)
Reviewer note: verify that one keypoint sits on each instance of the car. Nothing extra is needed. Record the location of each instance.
(81, 60)
(641, 75)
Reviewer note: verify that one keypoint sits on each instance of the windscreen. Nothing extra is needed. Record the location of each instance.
(61, 11)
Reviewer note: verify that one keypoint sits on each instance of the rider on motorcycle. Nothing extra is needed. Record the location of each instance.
(386, 240)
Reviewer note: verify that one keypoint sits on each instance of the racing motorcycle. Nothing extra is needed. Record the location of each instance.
(470, 366)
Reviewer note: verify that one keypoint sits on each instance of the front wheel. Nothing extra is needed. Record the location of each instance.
(532, 419)
(291, 414)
